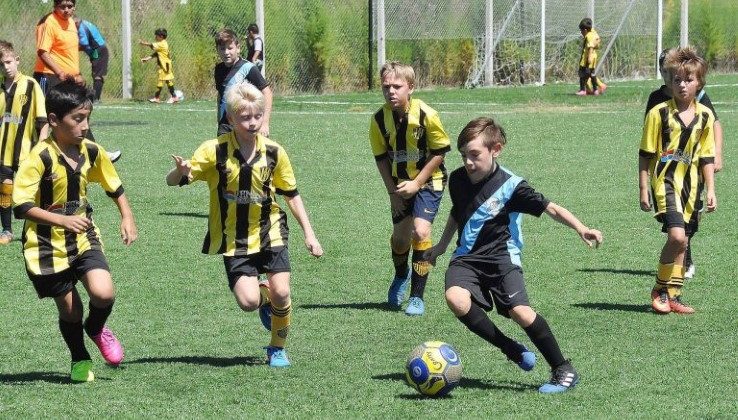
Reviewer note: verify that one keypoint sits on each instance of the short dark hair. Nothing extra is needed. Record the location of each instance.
(225, 37)
(58, 2)
(253, 28)
(161, 32)
(6, 48)
(67, 96)
(586, 23)
(492, 133)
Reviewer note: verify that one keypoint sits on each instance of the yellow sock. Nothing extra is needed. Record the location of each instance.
(281, 318)
(264, 291)
(664, 275)
(676, 281)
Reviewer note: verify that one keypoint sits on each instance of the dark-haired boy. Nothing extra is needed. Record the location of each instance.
(163, 60)
(588, 61)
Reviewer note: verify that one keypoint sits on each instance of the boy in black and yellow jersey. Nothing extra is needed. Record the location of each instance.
(23, 123)
(678, 142)
(588, 81)
(61, 243)
(244, 171)
(409, 145)
(165, 73)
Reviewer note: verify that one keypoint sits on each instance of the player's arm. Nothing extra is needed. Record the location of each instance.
(442, 245)
(298, 211)
(592, 237)
(407, 189)
(181, 174)
(128, 229)
(708, 174)
(146, 43)
(646, 153)
(718, 131)
(644, 164)
(268, 97)
(72, 223)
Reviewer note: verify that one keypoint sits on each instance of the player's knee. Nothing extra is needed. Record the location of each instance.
(523, 315)
(400, 244)
(678, 240)
(421, 234)
(458, 300)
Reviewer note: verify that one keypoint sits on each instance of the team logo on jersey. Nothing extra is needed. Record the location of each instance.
(22, 99)
(265, 173)
(493, 205)
(70, 208)
(244, 197)
(676, 156)
(418, 132)
(404, 156)
(13, 119)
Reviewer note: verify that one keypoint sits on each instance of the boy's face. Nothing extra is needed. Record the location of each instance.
(158, 37)
(9, 65)
(396, 91)
(246, 122)
(478, 160)
(229, 53)
(71, 129)
(684, 86)
(65, 9)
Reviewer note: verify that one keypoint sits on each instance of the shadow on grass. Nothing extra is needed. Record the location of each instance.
(50, 377)
(609, 306)
(619, 271)
(381, 306)
(205, 360)
(465, 383)
(184, 214)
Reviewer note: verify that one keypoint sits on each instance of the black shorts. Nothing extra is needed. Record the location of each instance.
(47, 81)
(676, 219)
(6, 172)
(100, 65)
(490, 284)
(57, 284)
(254, 264)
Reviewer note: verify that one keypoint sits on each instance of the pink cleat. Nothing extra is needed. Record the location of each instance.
(109, 346)
(582, 93)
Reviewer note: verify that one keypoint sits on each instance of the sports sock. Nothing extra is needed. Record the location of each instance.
(663, 276)
(281, 318)
(676, 281)
(96, 319)
(157, 93)
(477, 321)
(688, 253)
(72, 334)
(264, 296)
(171, 90)
(542, 337)
(595, 85)
(399, 259)
(98, 85)
(6, 214)
(421, 268)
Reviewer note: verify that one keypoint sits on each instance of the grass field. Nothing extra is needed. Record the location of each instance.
(190, 352)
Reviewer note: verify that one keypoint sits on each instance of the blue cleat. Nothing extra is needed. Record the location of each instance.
(265, 310)
(397, 291)
(277, 357)
(527, 358)
(415, 306)
(563, 378)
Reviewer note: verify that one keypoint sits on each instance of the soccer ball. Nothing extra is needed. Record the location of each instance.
(179, 94)
(433, 368)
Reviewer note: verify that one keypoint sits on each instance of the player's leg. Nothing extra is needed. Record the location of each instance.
(95, 273)
(159, 87)
(70, 310)
(425, 208)
(99, 71)
(172, 95)
(6, 202)
(243, 280)
(279, 289)
(674, 252)
(402, 228)
(583, 77)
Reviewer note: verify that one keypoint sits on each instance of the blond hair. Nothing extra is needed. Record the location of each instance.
(685, 60)
(242, 96)
(403, 71)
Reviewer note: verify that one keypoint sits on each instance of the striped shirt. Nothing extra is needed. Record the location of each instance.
(24, 109)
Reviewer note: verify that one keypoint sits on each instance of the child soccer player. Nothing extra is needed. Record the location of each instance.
(165, 72)
(409, 145)
(233, 70)
(244, 170)
(22, 124)
(485, 270)
(61, 243)
(663, 94)
(588, 61)
(678, 143)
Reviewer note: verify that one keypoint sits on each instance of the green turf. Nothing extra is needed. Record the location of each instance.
(190, 352)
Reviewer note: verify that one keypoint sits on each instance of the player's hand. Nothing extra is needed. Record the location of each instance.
(431, 254)
(645, 201)
(397, 204)
(183, 166)
(718, 164)
(592, 237)
(313, 246)
(407, 189)
(78, 79)
(128, 230)
(145, 59)
(63, 76)
(711, 202)
(76, 224)
(142, 42)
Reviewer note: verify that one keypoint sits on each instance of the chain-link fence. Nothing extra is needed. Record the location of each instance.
(331, 45)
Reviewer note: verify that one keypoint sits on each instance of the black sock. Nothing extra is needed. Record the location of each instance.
(171, 91)
(479, 323)
(96, 319)
(542, 337)
(419, 276)
(6, 218)
(688, 253)
(98, 85)
(157, 93)
(72, 334)
(400, 263)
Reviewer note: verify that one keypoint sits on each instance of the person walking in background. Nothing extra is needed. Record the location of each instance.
(57, 47)
(163, 59)
(256, 46)
(93, 44)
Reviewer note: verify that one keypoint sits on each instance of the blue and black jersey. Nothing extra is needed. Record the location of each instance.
(489, 215)
(226, 77)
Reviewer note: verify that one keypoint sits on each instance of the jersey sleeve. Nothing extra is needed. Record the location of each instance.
(84, 42)
(527, 200)
(44, 36)
(438, 141)
(284, 177)
(705, 100)
(707, 142)
(103, 172)
(26, 184)
(453, 193)
(376, 139)
(650, 136)
(203, 160)
(255, 78)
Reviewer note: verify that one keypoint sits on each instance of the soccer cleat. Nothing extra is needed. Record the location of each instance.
(6, 237)
(415, 306)
(602, 88)
(596, 92)
(581, 93)
(690, 272)
(155, 100)
(114, 156)
(679, 307)
(265, 310)
(660, 301)
(562, 379)
(172, 100)
(277, 357)
(527, 358)
(82, 371)
(397, 291)
(109, 346)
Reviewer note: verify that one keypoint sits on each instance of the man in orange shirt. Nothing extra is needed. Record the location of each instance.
(57, 47)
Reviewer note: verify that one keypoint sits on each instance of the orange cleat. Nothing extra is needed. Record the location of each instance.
(660, 301)
(679, 307)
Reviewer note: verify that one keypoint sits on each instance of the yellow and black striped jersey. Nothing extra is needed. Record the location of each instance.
(676, 152)
(24, 108)
(46, 180)
(245, 217)
(410, 142)
(163, 59)
(591, 40)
